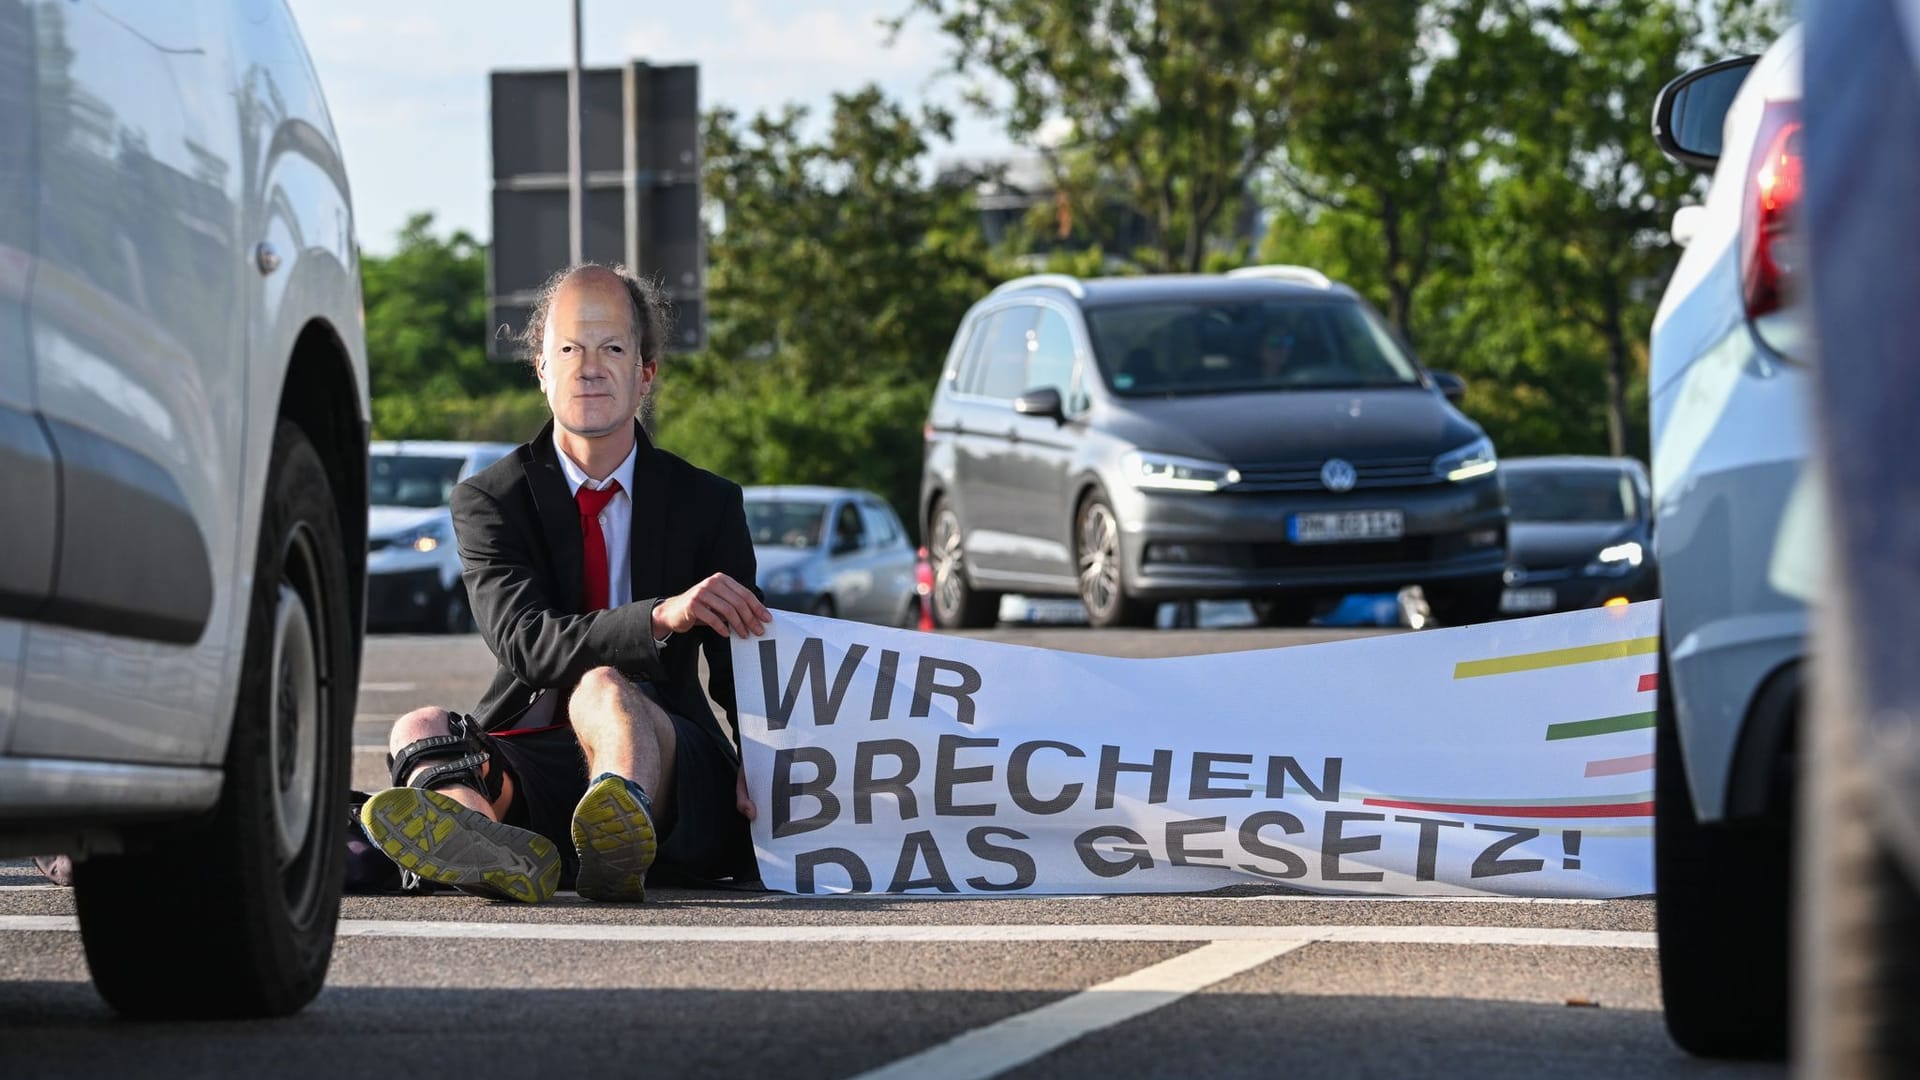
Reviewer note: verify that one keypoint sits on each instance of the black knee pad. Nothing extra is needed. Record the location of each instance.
(458, 758)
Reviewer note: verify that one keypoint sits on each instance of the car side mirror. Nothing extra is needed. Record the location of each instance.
(1451, 386)
(843, 544)
(1690, 114)
(1042, 402)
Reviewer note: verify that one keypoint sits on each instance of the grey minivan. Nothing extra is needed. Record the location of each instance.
(1261, 434)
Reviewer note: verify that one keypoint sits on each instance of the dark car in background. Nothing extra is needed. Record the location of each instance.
(1580, 535)
(837, 552)
(1261, 434)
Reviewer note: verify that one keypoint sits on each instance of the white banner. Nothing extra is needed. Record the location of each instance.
(1513, 758)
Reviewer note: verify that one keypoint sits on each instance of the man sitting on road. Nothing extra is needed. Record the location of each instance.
(599, 568)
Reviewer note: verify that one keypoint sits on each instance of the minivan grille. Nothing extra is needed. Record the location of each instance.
(1305, 475)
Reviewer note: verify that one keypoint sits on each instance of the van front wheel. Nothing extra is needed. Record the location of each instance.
(1098, 555)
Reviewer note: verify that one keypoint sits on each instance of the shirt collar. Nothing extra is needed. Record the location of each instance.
(577, 477)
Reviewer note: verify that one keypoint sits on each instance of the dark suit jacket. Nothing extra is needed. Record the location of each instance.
(519, 534)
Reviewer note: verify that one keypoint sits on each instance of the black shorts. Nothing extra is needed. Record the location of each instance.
(703, 836)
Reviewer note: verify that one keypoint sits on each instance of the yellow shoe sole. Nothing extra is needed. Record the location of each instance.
(442, 841)
(615, 840)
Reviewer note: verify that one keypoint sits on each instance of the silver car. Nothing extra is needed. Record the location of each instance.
(838, 552)
(1737, 530)
(413, 565)
(183, 470)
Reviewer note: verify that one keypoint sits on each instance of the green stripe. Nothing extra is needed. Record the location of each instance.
(1583, 654)
(1606, 725)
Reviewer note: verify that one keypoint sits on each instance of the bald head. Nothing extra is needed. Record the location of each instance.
(607, 289)
(595, 339)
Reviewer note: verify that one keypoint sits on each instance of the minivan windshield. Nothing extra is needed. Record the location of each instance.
(412, 480)
(1571, 495)
(1214, 347)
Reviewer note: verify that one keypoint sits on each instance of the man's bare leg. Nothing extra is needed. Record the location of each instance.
(629, 744)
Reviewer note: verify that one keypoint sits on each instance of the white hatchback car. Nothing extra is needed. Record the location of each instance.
(1737, 533)
(183, 434)
(413, 564)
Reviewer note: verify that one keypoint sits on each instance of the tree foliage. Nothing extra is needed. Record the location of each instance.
(839, 272)
(1171, 106)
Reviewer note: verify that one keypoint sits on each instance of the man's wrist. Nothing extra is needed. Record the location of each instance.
(662, 633)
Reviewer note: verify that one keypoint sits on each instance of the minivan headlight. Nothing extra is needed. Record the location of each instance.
(1474, 460)
(1617, 560)
(781, 581)
(1165, 472)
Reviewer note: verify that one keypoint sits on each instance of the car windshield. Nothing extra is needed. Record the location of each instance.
(412, 480)
(1597, 495)
(786, 522)
(1241, 346)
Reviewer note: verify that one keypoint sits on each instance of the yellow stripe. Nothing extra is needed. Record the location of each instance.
(1583, 654)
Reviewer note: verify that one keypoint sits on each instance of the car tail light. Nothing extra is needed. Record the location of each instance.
(1769, 250)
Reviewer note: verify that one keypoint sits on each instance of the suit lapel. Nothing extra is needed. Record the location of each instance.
(559, 517)
(650, 520)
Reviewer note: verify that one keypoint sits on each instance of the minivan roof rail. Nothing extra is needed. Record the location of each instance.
(1306, 275)
(1059, 281)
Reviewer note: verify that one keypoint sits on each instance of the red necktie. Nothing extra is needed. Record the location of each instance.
(593, 542)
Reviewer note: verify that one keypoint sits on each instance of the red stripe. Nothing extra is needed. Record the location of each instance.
(1587, 810)
(1649, 682)
(525, 731)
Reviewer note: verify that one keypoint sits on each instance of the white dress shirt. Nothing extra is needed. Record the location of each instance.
(616, 522)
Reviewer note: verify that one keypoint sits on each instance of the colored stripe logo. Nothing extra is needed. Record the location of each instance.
(1552, 658)
(1605, 725)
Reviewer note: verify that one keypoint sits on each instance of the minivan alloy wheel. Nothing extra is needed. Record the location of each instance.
(944, 554)
(1099, 557)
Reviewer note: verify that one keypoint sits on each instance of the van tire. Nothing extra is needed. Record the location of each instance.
(1720, 913)
(220, 901)
(957, 605)
(1100, 568)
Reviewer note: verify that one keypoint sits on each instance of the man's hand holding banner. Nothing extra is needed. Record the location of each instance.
(1512, 758)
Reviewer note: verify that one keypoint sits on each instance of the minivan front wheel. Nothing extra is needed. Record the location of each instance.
(245, 900)
(1098, 558)
(957, 605)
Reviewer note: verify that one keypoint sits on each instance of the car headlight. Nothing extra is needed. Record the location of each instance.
(424, 539)
(1474, 460)
(781, 581)
(1165, 472)
(1618, 559)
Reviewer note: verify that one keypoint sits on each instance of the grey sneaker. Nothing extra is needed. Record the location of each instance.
(614, 836)
(440, 840)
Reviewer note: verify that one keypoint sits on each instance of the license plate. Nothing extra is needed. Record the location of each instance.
(1346, 525)
(1526, 600)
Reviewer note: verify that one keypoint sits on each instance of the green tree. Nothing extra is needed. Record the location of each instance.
(1170, 106)
(1575, 253)
(1399, 105)
(838, 274)
(426, 307)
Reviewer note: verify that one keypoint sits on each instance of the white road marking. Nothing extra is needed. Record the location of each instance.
(996, 1048)
(31, 888)
(387, 687)
(876, 935)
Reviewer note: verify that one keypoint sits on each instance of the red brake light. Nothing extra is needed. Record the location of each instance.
(1767, 251)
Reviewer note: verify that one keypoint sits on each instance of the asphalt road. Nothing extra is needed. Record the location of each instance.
(1246, 982)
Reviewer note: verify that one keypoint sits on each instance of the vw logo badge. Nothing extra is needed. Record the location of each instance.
(1338, 475)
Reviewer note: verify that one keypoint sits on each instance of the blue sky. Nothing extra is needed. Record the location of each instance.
(407, 79)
